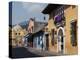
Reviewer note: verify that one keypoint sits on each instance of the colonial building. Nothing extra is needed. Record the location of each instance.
(62, 28)
(16, 35)
(36, 34)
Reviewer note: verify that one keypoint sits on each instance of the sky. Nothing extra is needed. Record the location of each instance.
(23, 11)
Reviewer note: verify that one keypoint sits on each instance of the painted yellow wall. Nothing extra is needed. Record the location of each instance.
(17, 38)
(70, 14)
(13, 34)
(50, 27)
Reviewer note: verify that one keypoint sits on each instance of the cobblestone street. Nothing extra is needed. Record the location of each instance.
(41, 52)
(22, 52)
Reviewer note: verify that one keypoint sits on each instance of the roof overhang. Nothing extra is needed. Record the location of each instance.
(53, 7)
(50, 8)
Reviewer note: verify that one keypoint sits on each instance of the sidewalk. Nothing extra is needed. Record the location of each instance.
(42, 52)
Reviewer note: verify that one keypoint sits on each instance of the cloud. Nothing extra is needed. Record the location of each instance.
(24, 10)
(33, 7)
(34, 10)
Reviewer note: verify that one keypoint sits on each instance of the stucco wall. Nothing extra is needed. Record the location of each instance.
(52, 48)
(70, 14)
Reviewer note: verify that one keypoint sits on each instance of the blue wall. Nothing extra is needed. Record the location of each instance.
(38, 40)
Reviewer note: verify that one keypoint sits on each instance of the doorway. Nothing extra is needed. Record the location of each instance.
(47, 41)
(60, 35)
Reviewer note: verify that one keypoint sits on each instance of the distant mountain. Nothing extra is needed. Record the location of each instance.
(24, 24)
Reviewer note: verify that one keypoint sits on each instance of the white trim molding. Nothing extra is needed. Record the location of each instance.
(62, 28)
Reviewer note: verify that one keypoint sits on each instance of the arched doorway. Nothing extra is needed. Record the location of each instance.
(60, 40)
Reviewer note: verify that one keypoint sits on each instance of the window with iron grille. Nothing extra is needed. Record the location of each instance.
(73, 33)
(59, 18)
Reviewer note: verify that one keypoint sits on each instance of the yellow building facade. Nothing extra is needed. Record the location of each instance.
(62, 35)
(71, 14)
(17, 34)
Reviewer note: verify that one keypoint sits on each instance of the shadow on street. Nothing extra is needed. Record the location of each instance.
(22, 52)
